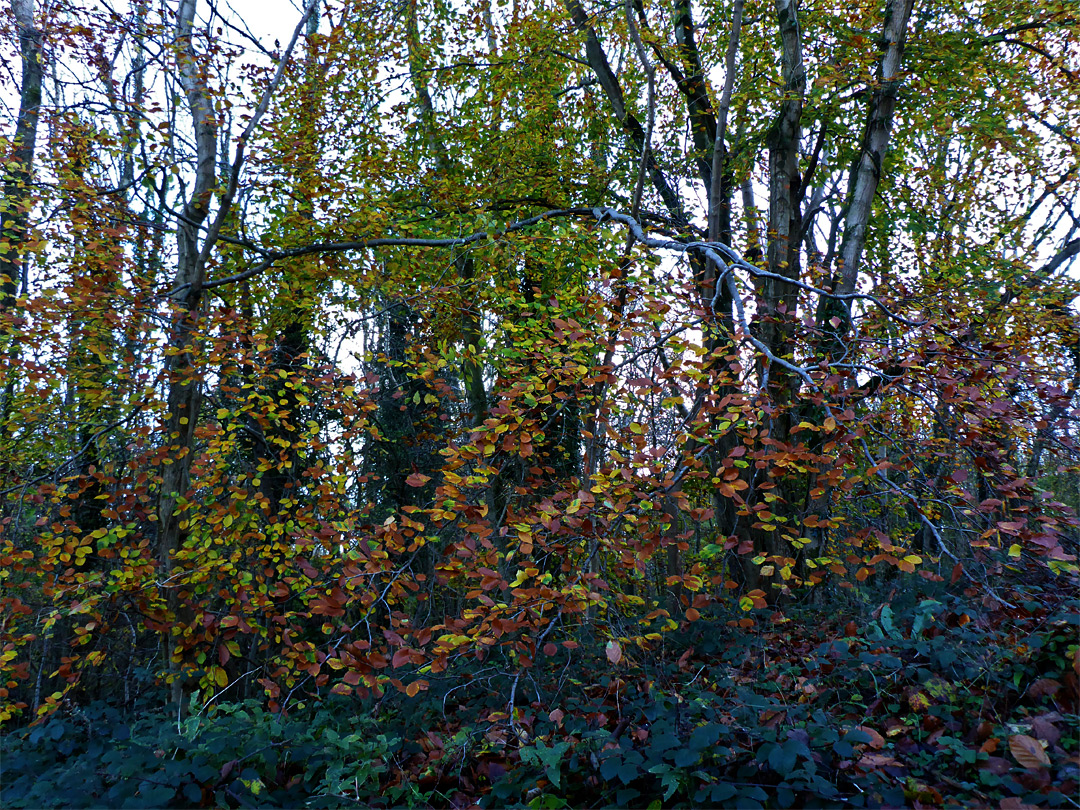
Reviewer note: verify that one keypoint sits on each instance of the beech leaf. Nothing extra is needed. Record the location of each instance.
(1028, 751)
(614, 652)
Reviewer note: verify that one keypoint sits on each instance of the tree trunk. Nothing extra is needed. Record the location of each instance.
(184, 388)
(15, 206)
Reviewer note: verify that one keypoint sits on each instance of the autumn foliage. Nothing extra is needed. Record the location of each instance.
(464, 350)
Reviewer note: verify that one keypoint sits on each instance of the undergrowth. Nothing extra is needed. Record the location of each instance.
(929, 700)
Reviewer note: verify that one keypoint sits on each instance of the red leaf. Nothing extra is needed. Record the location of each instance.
(401, 657)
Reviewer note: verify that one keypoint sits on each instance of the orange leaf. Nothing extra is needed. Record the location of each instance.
(415, 688)
(692, 615)
(877, 742)
(1028, 752)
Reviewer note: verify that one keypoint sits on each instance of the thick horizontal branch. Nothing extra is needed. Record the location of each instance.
(722, 254)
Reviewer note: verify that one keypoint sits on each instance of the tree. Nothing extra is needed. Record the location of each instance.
(651, 321)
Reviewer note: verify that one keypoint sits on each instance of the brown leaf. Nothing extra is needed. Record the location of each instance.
(1015, 803)
(614, 652)
(997, 765)
(874, 762)
(1028, 752)
(877, 742)
(1043, 686)
(1043, 729)
(771, 719)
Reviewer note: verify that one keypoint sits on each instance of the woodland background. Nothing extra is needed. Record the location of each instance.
(540, 404)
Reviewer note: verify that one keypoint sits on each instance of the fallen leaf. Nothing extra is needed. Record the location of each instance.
(1028, 752)
(1043, 686)
(877, 742)
(998, 766)
(1043, 729)
(1015, 803)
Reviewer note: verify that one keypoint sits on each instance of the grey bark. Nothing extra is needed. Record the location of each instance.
(184, 388)
(15, 206)
(866, 175)
(605, 76)
(782, 250)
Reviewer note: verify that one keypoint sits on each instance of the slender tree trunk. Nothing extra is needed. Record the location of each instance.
(866, 171)
(18, 171)
(184, 388)
(16, 203)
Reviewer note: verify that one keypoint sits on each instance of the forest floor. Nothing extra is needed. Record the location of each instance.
(936, 699)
